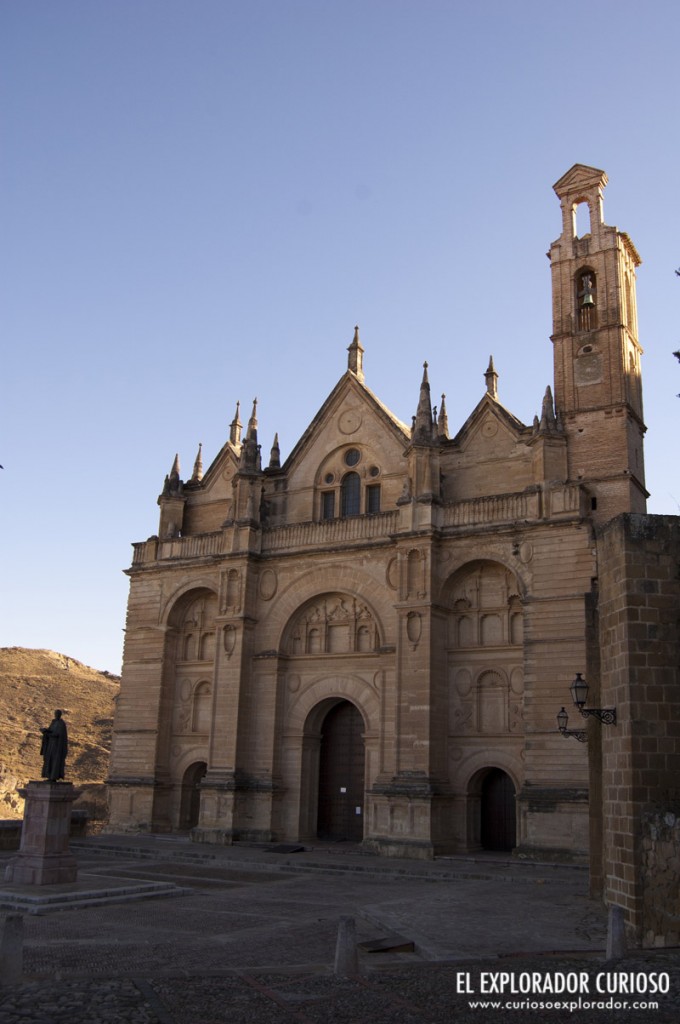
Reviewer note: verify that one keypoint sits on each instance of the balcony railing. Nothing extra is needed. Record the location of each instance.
(525, 506)
(330, 532)
(500, 508)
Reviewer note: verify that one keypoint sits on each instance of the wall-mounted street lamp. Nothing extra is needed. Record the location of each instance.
(579, 695)
(579, 734)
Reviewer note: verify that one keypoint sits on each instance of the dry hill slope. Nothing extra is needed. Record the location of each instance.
(34, 683)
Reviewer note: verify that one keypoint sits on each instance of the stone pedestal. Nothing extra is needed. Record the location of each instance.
(44, 857)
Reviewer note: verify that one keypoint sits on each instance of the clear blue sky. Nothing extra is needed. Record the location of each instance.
(200, 198)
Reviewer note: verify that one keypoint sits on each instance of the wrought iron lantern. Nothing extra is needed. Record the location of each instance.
(578, 734)
(579, 695)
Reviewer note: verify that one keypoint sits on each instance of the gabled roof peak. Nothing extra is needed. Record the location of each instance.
(580, 179)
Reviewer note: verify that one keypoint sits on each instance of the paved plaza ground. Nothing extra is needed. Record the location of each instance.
(248, 935)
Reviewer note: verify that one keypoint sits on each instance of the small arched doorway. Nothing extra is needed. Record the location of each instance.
(341, 775)
(498, 823)
(190, 804)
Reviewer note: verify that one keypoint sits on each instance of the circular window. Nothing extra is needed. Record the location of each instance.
(374, 471)
(329, 478)
(352, 456)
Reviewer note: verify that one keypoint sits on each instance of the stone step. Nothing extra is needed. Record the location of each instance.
(44, 903)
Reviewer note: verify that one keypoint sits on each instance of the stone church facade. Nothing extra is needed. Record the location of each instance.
(370, 640)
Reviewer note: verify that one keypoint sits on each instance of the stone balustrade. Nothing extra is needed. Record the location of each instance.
(331, 531)
(524, 506)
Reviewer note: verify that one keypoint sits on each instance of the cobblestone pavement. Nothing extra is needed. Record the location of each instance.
(252, 939)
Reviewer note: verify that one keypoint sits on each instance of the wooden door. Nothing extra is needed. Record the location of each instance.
(341, 775)
(498, 811)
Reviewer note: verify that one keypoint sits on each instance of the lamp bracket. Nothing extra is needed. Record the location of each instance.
(605, 715)
(579, 734)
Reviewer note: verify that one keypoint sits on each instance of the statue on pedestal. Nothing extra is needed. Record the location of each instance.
(54, 748)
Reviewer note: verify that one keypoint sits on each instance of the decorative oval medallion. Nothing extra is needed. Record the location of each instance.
(268, 584)
(463, 682)
(349, 421)
(229, 639)
(517, 680)
(526, 552)
(414, 626)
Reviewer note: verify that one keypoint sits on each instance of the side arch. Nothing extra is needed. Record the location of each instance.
(188, 666)
(172, 603)
(475, 775)
(518, 571)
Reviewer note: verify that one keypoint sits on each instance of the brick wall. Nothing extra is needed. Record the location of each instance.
(639, 612)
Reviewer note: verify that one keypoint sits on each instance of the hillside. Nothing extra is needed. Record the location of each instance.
(32, 684)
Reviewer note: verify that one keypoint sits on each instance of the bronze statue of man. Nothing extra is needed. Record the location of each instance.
(54, 748)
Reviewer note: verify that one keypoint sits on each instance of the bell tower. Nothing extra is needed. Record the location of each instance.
(598, 386)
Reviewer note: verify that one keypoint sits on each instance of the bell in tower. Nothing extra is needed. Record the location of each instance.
(586, 301)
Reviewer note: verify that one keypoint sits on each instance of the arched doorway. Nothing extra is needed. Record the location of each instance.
(498, 823)
(341, 775)
(190, 805)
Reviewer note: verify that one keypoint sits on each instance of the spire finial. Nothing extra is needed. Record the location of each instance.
(173, 483)
(250, 453)
(252, 422)
(197, 474)
(275, 454)
(548, 422)
(422, 427)
(236, 427)
(355, 360)
(443, 421)
(491, 378)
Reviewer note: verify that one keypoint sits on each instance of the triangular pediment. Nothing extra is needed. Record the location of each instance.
(580, 179)
(490, 425)
(350, 414)
(216, 480)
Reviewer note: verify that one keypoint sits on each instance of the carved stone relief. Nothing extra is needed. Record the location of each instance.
(334, 624)
(196, 634)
